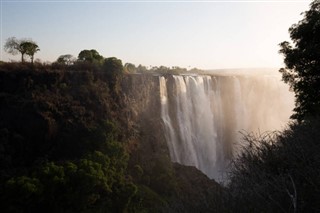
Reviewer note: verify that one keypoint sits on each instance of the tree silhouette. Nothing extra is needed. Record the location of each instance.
(31, 48)
(22, 46)
(91, 56)
(302, 60)
(66, 59)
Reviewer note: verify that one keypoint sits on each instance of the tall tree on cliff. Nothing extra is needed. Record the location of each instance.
(114, 71)
(91, 56)
(302, 60)
(31, 48)
(22, 46)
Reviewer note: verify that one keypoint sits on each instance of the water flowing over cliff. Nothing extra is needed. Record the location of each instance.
(203, 115)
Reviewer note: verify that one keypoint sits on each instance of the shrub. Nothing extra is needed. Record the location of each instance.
(278, 171)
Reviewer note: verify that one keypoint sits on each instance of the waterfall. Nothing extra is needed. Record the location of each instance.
(203, 115)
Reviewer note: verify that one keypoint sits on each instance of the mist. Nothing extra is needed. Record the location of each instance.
(204, 115)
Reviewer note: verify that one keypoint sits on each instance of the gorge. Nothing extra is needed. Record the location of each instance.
(134, 142)
(203, 115)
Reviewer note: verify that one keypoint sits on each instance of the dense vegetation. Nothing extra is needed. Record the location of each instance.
(60, 145)
(66, 145)
(278, 172)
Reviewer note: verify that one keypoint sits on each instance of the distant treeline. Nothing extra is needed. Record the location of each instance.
(85, 58)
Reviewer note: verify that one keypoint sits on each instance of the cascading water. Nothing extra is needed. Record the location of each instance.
(203, 115)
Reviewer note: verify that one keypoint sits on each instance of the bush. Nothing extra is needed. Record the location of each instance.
(278, 172)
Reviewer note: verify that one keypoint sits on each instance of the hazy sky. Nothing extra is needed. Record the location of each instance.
(203, 34)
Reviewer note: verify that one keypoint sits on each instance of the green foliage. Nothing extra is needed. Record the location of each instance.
(31, 48)
(114, 70)
(19, 194)
(59, 144)
(63, 145)
(130, 68)
(23, 46)
(93, 183)
(162, 70)
(113, 66)
(302, 60)
(91, 56)
(166, 70)
(66, 59)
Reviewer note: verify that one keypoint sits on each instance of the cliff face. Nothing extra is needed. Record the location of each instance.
(53, 119)
(181, 188)
(141, 95)
(203, 115)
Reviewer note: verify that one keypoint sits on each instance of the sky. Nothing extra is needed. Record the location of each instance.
(203, 34)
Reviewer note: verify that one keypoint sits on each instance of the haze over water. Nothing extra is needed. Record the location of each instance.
(203, 115)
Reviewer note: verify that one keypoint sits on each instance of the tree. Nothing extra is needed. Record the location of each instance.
(31, 48)
(113, 66)
(13, 46)
(91, 56)
(22, 46)
(114, 70)
(66, 59)
(141, 69)
(130, 68)
(302, 60)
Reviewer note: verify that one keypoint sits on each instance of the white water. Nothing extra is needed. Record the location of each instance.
(203, 115)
